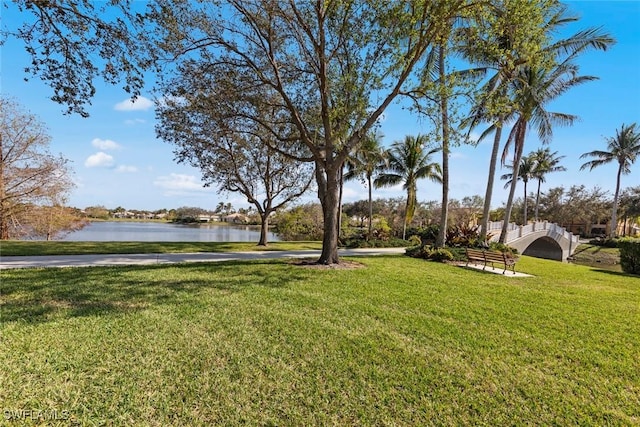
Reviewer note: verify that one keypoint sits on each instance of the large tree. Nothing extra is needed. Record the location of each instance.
(230, 154)
(407, 161)
(30, 175)
(623, 148)
(326, 69)
(576, 206)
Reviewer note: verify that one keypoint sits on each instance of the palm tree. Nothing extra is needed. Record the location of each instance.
(408, 161)
(623, 148)
(363, 164)
(514, 88)
(526, 171)
(535, 88)
(546, 162)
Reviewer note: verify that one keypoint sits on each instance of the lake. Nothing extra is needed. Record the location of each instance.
(122, 231)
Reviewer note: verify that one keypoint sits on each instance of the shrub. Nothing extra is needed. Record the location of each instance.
(361, 242)
(607, 243)
(415, 240)
(630, 255)
(302, 222)
(430, 253)
(414, 251)
(459, 254)
(428, 234)
(463, 235)
(440, 255)
(501, 247)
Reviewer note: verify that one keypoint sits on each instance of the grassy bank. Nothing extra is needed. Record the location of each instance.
(398, 342)
(34, 248)
(592, 255)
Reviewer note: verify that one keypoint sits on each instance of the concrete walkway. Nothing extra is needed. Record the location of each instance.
(494, 270)
(150, 259)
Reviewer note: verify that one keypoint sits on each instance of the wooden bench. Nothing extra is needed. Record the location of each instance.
(486, 257)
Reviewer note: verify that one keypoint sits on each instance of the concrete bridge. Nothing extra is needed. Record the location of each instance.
(537, 239)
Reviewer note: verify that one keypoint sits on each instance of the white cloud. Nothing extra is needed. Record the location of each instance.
(351, 194)
(125, 169)
(105, 144)
(99, 160)
(179, 184)
(134, 122)
(139, 104)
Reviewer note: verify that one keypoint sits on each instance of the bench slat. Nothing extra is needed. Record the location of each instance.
(491, 257)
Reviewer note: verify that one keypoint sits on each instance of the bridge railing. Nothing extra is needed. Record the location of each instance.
(515, 231)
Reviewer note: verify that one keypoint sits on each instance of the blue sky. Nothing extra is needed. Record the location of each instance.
(118, 161)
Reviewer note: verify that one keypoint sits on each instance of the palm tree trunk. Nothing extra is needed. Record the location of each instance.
(538, 199)
(411, 207)
(406, 215)
(514, 182)
(613, 231)
(524, 222)
(444, 111)
(492, 173)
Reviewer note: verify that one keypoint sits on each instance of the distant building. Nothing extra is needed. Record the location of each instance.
(236, 218)
(208, 218)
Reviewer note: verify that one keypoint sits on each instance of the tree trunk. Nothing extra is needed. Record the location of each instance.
(537, 200)
(613, 231)
(4, 219)
(370, 232)
(444, 111)
(329, 194)
(264, 228)
(524, 222)
(492, 173)
(514, 182)
(406, 216)
(340, 201)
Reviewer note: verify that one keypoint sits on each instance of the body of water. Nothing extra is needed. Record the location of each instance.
(166, 232)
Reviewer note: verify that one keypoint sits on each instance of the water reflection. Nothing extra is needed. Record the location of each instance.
(166, 232)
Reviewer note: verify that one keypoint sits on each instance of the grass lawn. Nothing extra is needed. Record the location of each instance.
(399, 342)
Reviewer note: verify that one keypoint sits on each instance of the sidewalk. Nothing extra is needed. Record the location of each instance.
(9, 262)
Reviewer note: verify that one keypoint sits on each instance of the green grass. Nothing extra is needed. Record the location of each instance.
(399, 342)
(18, 248)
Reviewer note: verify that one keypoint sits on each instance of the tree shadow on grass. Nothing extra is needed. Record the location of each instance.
(41, 295)
(616, 273)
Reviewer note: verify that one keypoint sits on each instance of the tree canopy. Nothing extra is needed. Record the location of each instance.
(32, 180)
(64, 39)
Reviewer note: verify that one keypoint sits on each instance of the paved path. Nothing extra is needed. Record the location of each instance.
(149, 259)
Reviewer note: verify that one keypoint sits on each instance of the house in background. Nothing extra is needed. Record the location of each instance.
(236, 218)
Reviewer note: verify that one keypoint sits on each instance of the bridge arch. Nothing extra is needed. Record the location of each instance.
(545, 247)
(538, 239)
